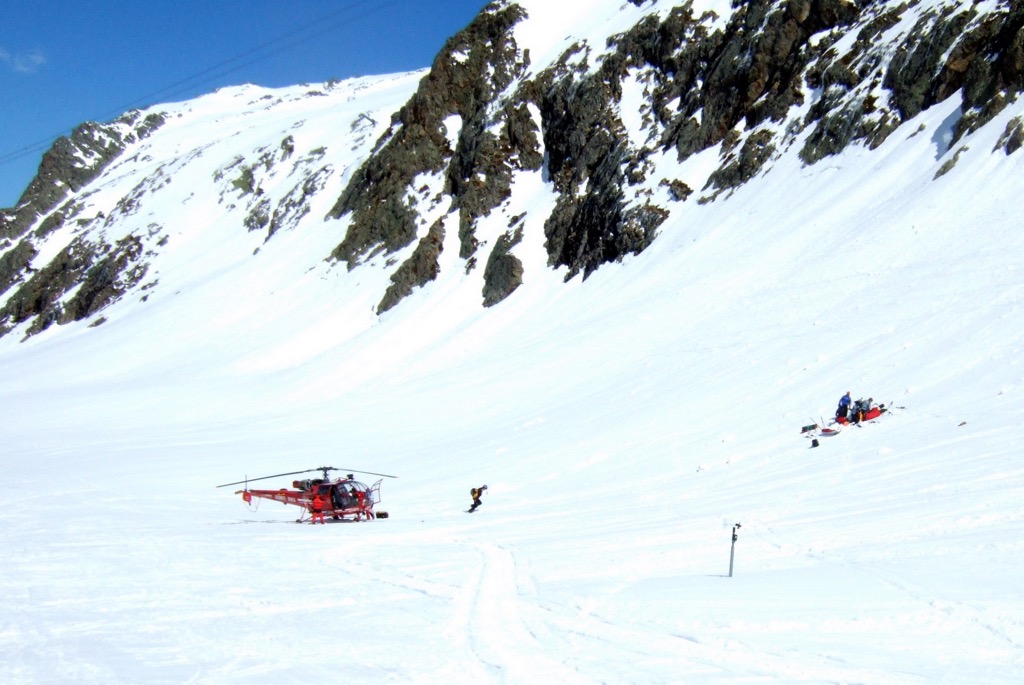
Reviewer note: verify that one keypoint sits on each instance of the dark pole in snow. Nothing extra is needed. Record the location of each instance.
(732, 551)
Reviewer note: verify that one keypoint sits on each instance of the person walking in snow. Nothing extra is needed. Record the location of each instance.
(317, 507)
(476, 494)
(843, 410)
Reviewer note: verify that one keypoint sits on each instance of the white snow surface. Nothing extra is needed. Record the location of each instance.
(623, 424)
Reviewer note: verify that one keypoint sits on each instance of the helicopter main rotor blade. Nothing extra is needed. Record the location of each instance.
(368, 473)
(278, 475)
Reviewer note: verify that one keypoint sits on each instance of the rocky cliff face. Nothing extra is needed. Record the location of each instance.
(773, 78)
(823, 74)
(464, 86)
(97, 271)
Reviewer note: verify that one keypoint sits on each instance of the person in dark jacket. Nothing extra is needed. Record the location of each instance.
(843, 411)
(476, 494)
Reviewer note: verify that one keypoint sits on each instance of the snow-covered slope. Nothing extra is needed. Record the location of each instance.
(623, 423)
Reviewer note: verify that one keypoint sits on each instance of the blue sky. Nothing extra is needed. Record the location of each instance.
(63, 63)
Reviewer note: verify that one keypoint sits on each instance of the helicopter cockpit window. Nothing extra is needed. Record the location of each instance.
(338, 496)
(344, 495)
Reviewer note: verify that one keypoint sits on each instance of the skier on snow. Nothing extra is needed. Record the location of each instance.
(476, 494)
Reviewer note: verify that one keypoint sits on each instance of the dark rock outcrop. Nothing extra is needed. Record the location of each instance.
(66, 168)
(470, 71)
(70, 164)
(101, 273)
(504, 271)
(14, 262)
(418, 270)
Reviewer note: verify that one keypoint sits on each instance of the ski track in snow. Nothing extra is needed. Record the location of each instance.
(493, 613)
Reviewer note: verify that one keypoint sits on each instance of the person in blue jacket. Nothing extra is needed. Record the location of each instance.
(843, 410)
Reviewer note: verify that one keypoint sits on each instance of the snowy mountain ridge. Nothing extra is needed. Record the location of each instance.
(608, 264)
(606, 120)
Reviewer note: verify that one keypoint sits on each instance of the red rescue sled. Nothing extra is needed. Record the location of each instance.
(870, 415)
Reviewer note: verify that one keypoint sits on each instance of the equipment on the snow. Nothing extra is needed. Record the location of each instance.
(732, 550)
(824, 432)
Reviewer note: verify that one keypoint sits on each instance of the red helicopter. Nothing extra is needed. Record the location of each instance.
(341, 497)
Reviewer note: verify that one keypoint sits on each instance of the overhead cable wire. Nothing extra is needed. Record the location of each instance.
(289, 40)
